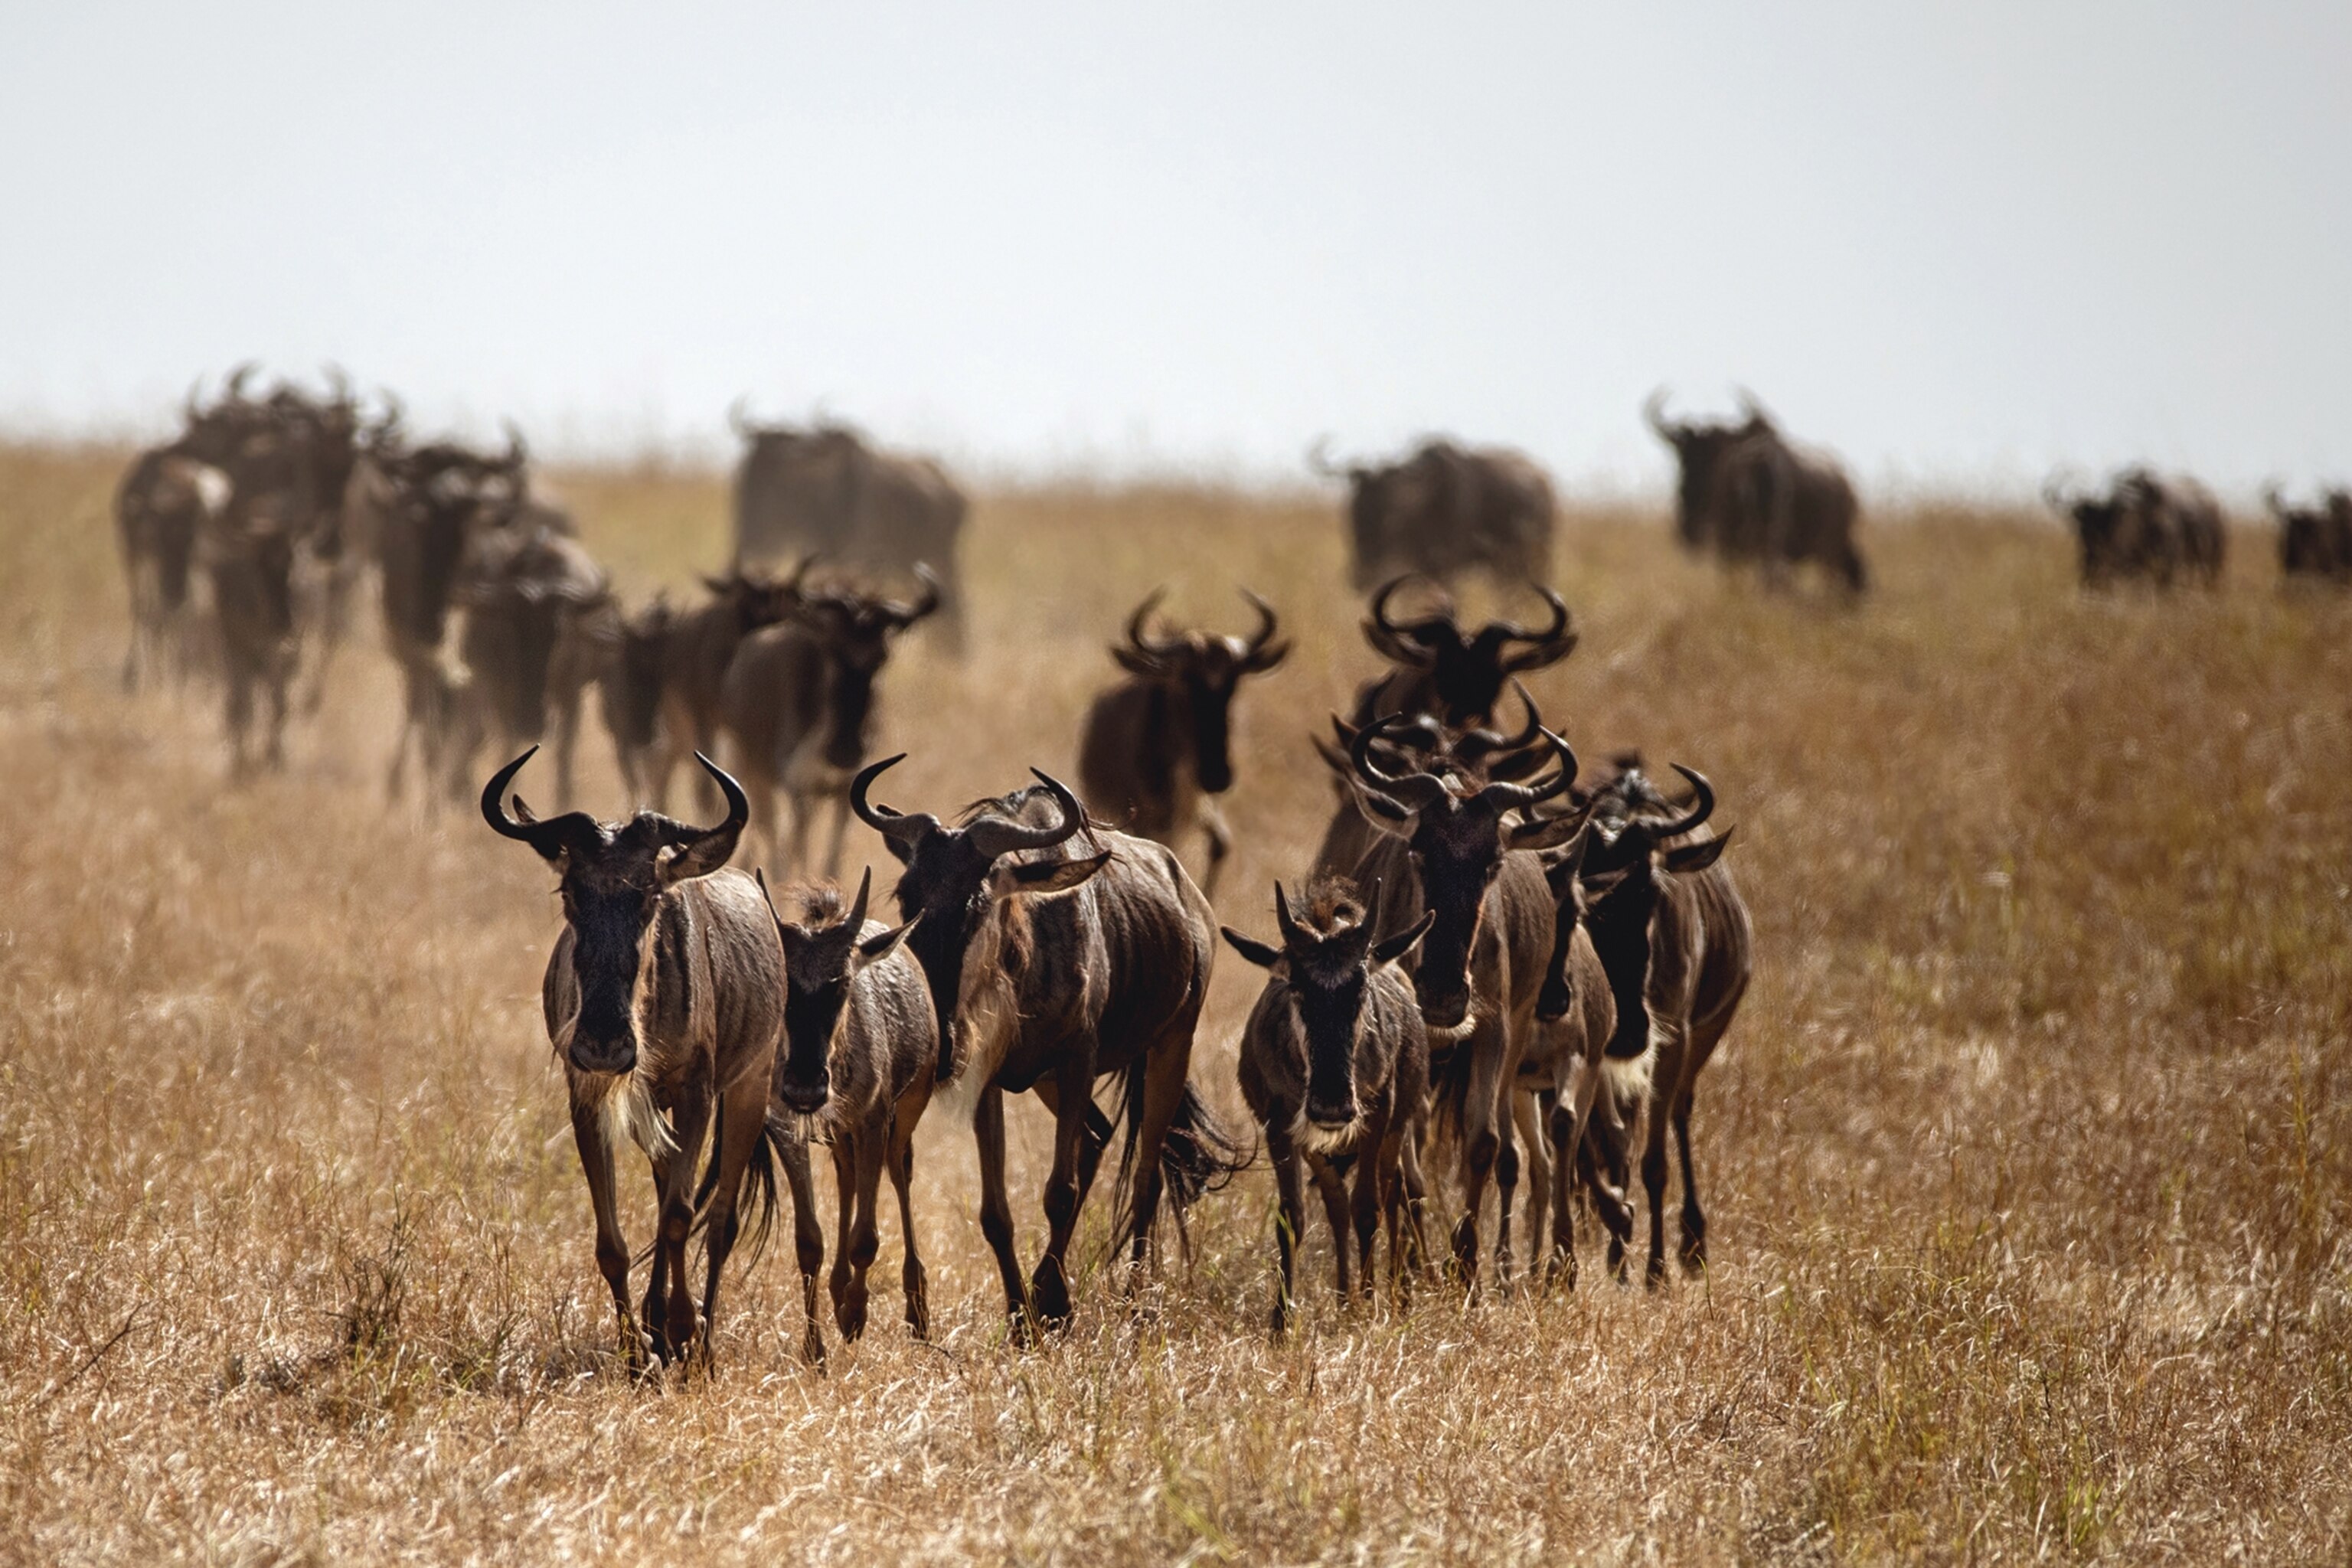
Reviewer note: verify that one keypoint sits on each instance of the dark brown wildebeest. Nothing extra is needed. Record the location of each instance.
(855, 1069)
(1674, 939)
(1484, 755)
(161, 507)
(1445, 847)
(1048, 971)
(1749, 494)
(2180, 519)
(1453, 674)
(248, 558)
(539, 625)
(664, 1001)
(629, 690)
(1156, 749)
(1334, 1066)
(699, 650)
(825, 490)
(2314, 543)
(798, 705)
(1446, 509)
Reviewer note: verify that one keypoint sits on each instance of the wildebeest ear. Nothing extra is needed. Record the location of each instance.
(1397, 946)
(874, 949)
(1042, 875)
(1135, 662)
(1381, 812)
(1545, 832)
(1264, 955)
(1697, 857)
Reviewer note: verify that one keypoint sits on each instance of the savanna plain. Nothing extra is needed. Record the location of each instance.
(2026, 1162)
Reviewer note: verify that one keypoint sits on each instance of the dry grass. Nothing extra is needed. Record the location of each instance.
(2027, 1161)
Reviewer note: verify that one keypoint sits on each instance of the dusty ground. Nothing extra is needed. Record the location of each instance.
(2026, 1161)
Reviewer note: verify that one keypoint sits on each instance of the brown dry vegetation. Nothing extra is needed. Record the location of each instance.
(2027, 1160)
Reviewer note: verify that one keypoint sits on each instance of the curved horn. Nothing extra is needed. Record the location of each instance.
(1416, 789)
(1138, 641)
(2272, 499)
(906, 614)
(1292, 937)
(1318, 459)
(518, 450)
(739, 418)
(894, 826)
(1702, 807)
(233, 391)
(551, 837)
(1503, 796)
(994, 836)
(1410, 643)
(1653, 409)
(2053, 496)
(1547, 646)
(702, 851)
(857, 909)
(1260, 651)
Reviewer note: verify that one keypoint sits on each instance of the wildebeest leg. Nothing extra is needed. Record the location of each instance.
(996, 1211)
(1530, 1113)
(742, 1117)
(872, 1145)
(1221, 843)
(1099, 1132)
(237, 717)
(1566, 1121)
(840, 831)
(845, 1214)
(669, 1299)
(1600, 1160)
(1333, 1189)
(1371, 1180)
(1412, 1195)
(1694, 1249)
(1166, 1066)
(564, 721)
(1290, 1221)
(1666, 1087)
(1506, 1186)
(588, 1134)
(1483, 1124)
(910, 1110)
(1049, 1286)
(808, 1241)
(279, 677)
(796, 858)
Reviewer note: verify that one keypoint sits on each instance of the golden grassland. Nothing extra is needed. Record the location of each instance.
(2026, 1161)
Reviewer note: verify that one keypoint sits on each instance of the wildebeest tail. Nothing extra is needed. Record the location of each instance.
(1197, 1157)
(755, 1213)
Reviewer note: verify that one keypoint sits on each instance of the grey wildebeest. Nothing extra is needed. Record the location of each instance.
(1446, 509)
(1335, 1065)
(798, 704)
(539, 622)
(826, 490)
(2314, 543)
(1049, 970)
(860, 1046)
(1156, 749)
(664, 1001)
(1749, 494)
(1673, 937)
(1445, 847)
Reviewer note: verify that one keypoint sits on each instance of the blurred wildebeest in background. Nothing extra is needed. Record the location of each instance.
(539, 627)
(2314, 543)
(2145, 528)
(824, 489)
(797, 704)
(1156, 750)
(1049, 969)
(692, 662)
(1749, 494)
(1446, 509)
(629, 690)
(664, 1001)
(1454, 675)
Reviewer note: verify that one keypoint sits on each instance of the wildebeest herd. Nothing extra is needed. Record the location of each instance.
(1492, 966)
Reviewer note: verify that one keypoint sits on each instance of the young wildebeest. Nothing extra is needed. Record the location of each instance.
(1048, 971)
(1673, 937)
(1446, 848)
(860, 1045)
(664, 998)
(1156, 749)
(1335, 1065)
(798, 704)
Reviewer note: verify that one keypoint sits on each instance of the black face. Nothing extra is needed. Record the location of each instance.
(1457, 850)
(1558, 995)
(816, 988)
(946, 883)
(610, 893)
(1699, 449)
(857, 647)
(1326, 986)
(1618, 921)
(2096, 526)
(1209, 686)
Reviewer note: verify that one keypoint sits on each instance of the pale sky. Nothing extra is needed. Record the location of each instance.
(1957, 243)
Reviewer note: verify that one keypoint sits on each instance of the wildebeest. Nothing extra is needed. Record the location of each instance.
(1047, 971)
(697, 653)
(1447, 849)
(1455, 675)
(1156, 750)
(1674, 939)
(824, 489)
(664, 1001)
(2146, 526)
(539, 624)
(1446, 509)
(162, 505)
(248, 558)
(854, 1069)
(2314, 543)
(1749, 494)
(629, 690)
(798, 704)
(1335, 1065)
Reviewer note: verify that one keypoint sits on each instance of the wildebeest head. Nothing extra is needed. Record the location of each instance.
(614, 877)
(1454, 830)
(1629, 853)
(757, 599)
(1202, 672)
(1326, 958)
(955, 872)
(856, 631)
(823, 956)
(1467, 669)
(2098, 528)
(1698, 451)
